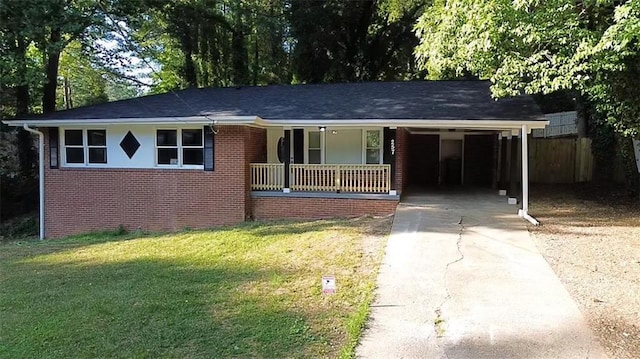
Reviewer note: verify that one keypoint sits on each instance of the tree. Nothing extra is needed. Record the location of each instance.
(33, 35)
(202, 43)
(353, 41)
(81, 83)
(540, 47)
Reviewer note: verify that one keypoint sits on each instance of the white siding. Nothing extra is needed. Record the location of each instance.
(144, 157)
(273, 135)
(343, 147)
(560, 124)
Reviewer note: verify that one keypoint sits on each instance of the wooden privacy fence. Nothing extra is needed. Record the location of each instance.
(560, 160)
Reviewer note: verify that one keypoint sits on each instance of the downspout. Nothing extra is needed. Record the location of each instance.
(40, 174)
(524, 212)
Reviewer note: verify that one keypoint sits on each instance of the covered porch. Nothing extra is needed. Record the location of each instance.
(328, 159)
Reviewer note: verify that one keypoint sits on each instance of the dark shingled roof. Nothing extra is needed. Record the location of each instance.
(429, 100)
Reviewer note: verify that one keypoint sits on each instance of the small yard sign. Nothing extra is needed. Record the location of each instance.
(328, 284)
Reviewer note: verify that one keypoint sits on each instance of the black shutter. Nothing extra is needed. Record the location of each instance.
(298, 145)
(54, 147)
(386, 153)
(286, 143)
(209, 149)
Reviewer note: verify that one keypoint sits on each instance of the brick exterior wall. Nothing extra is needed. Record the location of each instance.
(265, 208)
(402, 148)
(83, 199)
(79, 200)
(256, 152)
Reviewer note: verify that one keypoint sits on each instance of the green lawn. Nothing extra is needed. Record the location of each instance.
(246, 291)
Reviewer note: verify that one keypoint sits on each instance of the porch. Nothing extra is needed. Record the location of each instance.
(337, 178)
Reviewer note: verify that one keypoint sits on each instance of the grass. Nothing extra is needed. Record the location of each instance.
(246, 291)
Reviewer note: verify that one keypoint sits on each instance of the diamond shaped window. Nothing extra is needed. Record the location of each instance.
(129, 144)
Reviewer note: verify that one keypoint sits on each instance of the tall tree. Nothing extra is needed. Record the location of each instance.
(216, 42)
(81, 81)
(528, 46)
(354, 41)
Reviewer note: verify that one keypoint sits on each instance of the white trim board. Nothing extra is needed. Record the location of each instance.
(257, 121)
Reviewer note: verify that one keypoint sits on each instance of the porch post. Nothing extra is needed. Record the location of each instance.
(287, 159)
(497, 181)
(525, 170)
(389, 155)
(506, 171)
(513, 177)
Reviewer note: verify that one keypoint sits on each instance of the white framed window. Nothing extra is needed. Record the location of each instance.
(314, 150)
(372, 143)
(84, 147)
(180, 148)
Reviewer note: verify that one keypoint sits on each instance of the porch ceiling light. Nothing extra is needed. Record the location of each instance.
(322, 128)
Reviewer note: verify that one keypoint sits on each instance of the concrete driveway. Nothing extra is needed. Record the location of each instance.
(462, 279)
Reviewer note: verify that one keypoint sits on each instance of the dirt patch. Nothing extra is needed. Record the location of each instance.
(591, 238)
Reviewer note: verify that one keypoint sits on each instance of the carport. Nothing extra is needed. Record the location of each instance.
(467, 139)
(464, 155)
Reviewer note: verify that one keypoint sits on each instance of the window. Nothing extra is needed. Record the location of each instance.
(85, 146)
(315, 153)
(97, 146)
(180, 147)
(372, 155)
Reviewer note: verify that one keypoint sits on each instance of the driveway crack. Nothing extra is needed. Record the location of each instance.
(439, 321)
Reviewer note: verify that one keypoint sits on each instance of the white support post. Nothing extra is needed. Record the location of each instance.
(524, 212)
(525, 170)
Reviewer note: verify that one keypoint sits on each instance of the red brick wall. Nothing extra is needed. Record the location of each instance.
(81, 200)
(313, 208)
(256, 152)
(402, 148)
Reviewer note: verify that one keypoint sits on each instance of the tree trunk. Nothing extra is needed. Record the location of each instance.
(53, 61)
(239, 56)
(68, 103)
(26, 154)
(582, 116)
(189, 66)
(22, 91)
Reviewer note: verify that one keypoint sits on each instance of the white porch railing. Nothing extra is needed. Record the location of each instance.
(355, 178)
(267, 176)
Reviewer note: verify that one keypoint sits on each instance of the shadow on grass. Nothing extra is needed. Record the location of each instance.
(364, 225)
(144, 308)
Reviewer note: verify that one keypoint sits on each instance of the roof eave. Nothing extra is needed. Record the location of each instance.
(255, 120)
(193, 120)
(423, 123)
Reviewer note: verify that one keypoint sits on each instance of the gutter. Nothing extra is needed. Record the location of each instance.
(528, 217)
(479, 124)
(40, 174)
(524, 212)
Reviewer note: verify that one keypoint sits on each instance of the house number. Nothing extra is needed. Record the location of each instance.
(393, 146)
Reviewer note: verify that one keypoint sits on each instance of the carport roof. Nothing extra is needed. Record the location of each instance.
(342, 102)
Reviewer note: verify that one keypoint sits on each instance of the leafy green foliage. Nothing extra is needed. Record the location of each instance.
(338, 41)
(529, 46)
(82, 84)
(202, 43)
